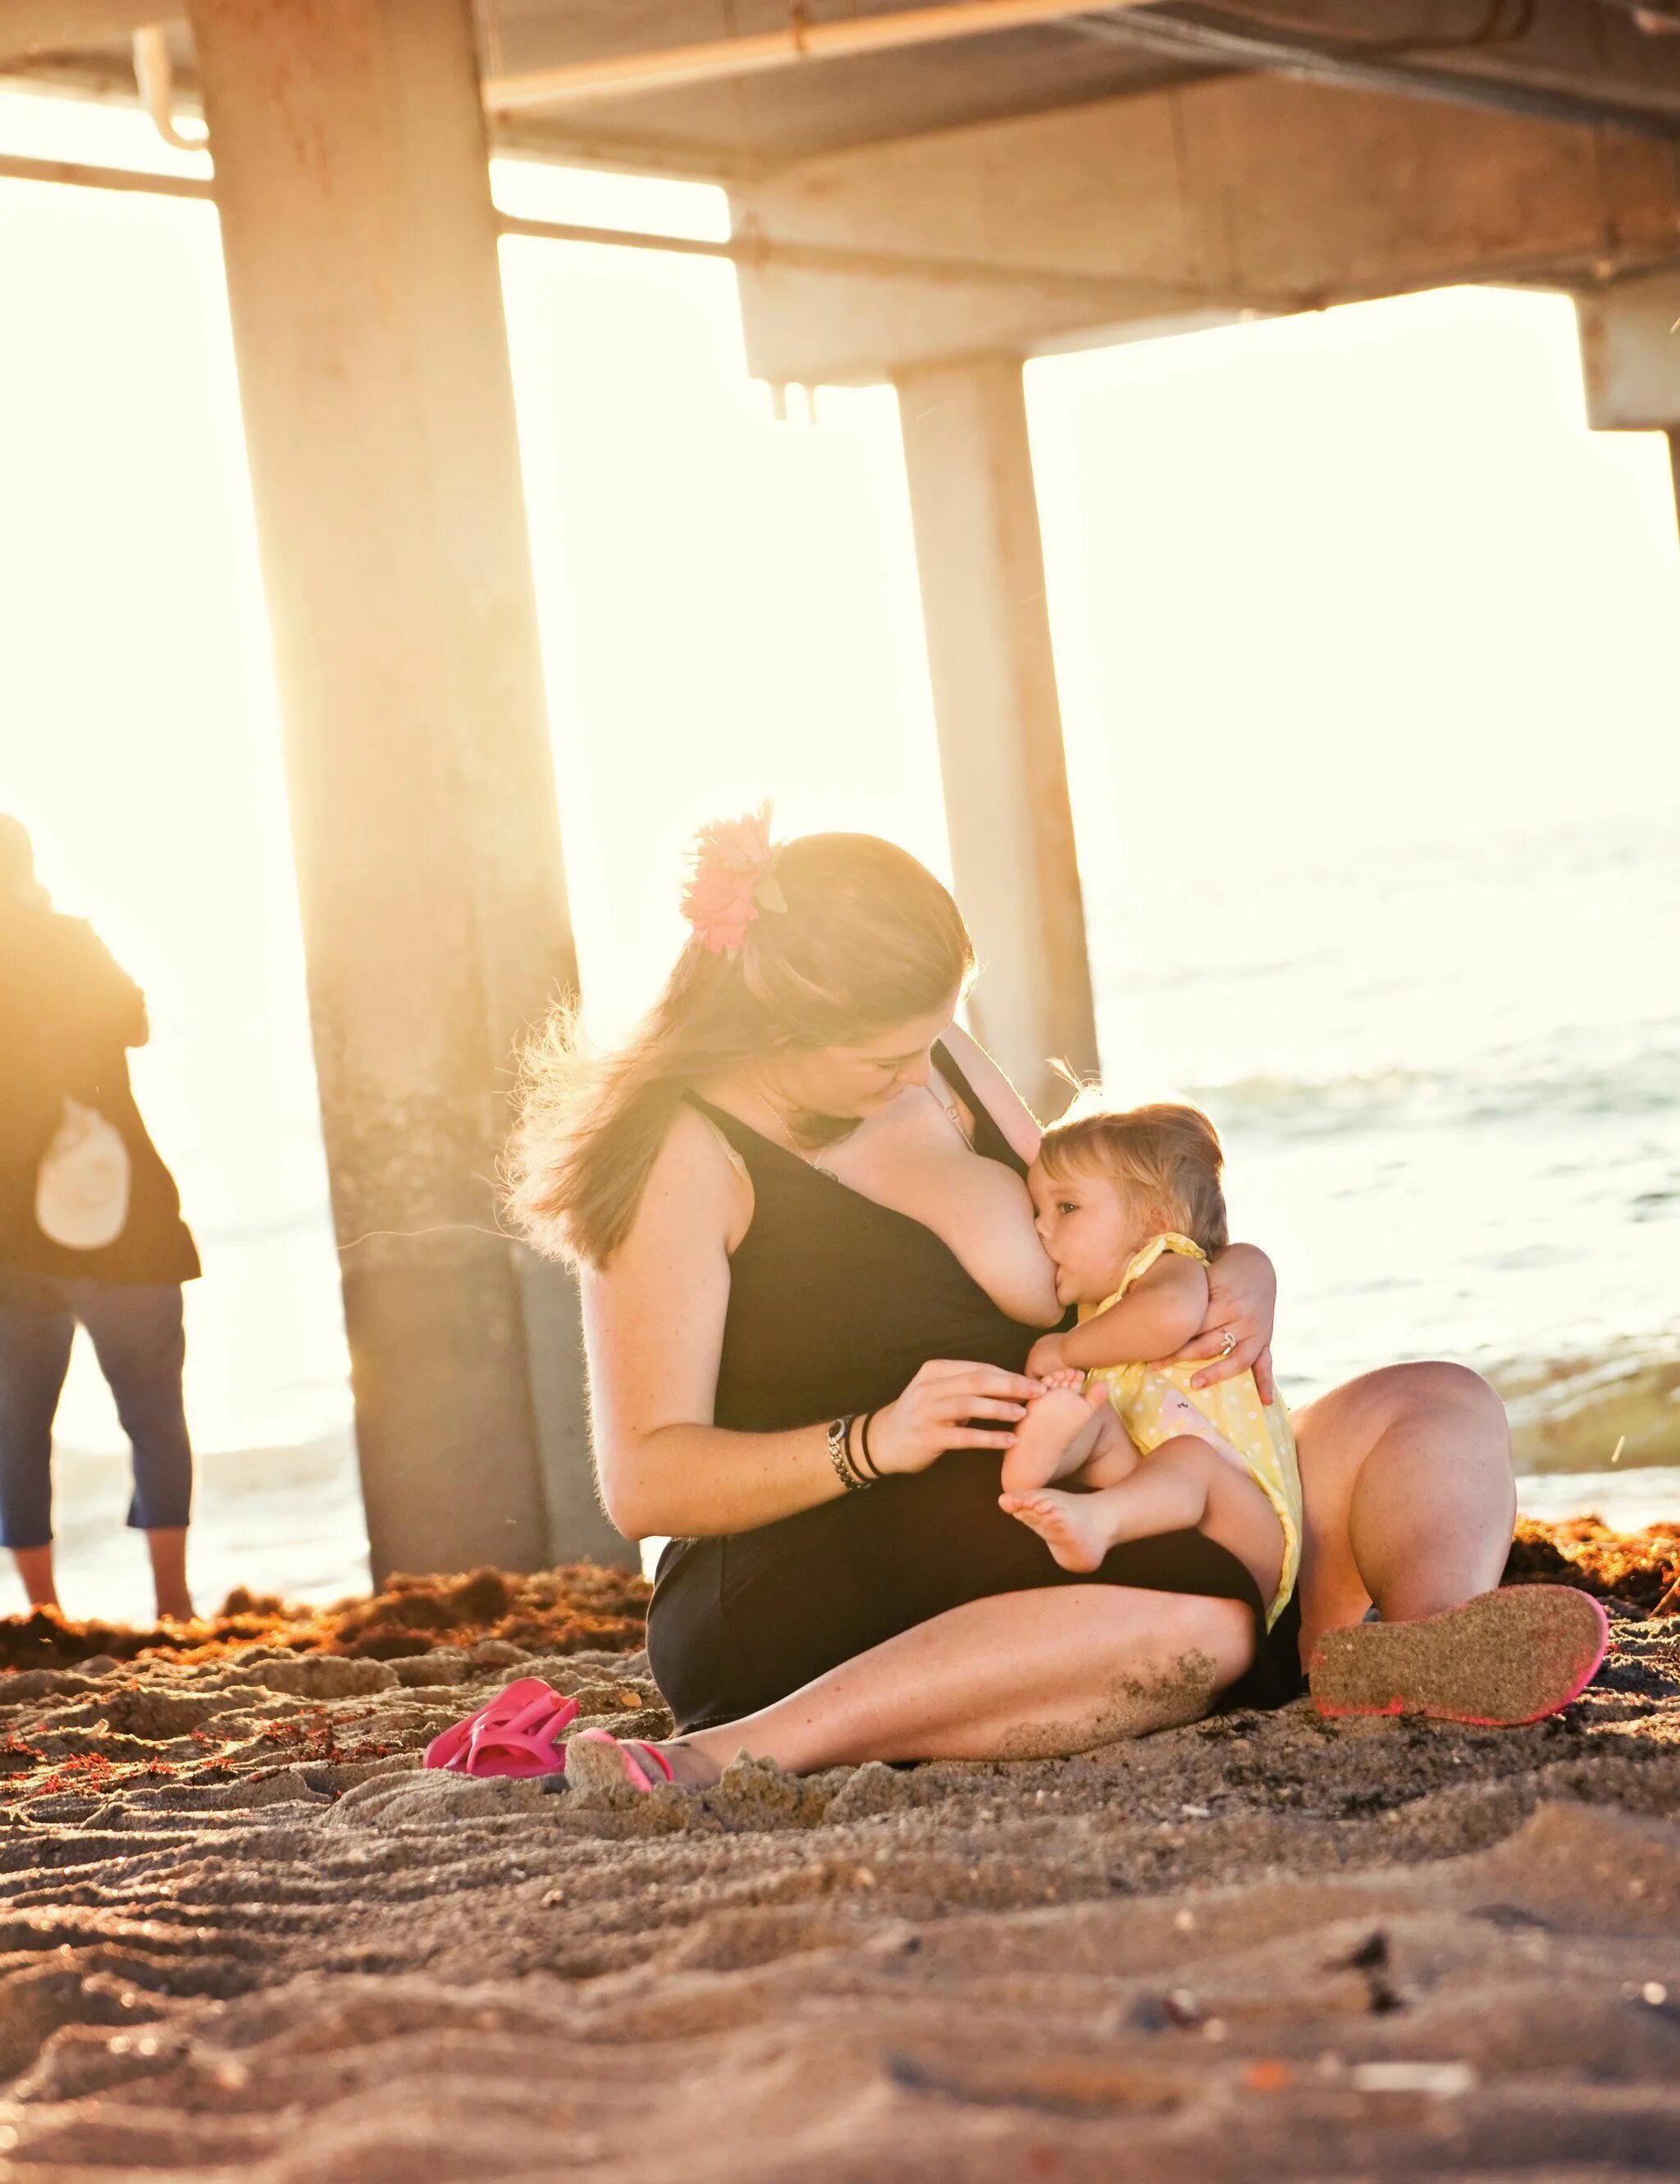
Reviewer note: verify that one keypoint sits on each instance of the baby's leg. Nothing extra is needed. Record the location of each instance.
(1114, 1456)
(1178, 1411)
(1057, 1435)
(1168, 1492)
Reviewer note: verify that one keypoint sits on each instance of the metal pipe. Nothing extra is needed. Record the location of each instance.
(154, 79)
(800, 40)
(1119, 289)
(1216, 40)
(76, 174)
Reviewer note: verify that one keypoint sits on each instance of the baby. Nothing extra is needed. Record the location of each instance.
(1129, 1206)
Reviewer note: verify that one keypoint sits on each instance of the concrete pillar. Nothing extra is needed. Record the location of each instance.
(363, 279)
(994, 693)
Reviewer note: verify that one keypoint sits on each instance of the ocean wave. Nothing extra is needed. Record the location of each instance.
(1556, 1084)
(1353, 1088)
(1588, 1411)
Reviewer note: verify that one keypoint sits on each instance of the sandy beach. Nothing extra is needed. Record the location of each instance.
(246, 1937)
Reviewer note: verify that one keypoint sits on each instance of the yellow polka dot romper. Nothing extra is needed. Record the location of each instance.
(1261, 1433)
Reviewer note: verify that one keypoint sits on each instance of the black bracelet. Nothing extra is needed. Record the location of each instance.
(869, 1462)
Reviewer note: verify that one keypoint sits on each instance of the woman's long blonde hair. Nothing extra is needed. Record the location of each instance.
(867, 938)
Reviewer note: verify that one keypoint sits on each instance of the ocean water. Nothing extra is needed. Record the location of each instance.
(1448, 1078)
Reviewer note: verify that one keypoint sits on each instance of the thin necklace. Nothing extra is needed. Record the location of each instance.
(950, 1108)
(790, 1140)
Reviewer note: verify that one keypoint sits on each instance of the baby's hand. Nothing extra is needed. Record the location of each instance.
(1045, 1357)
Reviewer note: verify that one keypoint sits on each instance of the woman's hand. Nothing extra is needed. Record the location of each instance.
(933, 1414)
(1046, 1356)
(1242, 1301)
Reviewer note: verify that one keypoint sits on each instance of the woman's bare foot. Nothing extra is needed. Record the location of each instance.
(1071, 1525)
(598, 1758)
(690, 1769)
(1051, 1440)
(1496, 1660)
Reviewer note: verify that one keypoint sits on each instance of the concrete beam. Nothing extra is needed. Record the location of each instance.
(1242, 194)
(51, 26)
(995, 694)
(365, 297)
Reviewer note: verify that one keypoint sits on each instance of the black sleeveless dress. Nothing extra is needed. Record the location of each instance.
(835, 1304)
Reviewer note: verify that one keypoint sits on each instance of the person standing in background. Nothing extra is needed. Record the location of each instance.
(90, 1231)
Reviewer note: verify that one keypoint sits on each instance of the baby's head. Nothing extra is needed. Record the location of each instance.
(1105, 1182)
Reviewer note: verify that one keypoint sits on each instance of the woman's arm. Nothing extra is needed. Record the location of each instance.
(654, 1324)
(1157, 1313)
(1242, 1299)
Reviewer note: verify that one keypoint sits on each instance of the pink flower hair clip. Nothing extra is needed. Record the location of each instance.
(733, 879)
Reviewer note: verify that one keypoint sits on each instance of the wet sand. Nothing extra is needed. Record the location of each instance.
(244, 1938)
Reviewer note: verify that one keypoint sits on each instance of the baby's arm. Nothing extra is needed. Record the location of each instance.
(1154, 1317)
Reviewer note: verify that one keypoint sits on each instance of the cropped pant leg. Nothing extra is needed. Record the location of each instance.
(36, 1329)
(139, 1336)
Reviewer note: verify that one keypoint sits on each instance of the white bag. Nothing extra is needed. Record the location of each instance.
(81, 1191)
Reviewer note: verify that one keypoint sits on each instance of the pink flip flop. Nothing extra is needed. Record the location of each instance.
(636, 1756)
(517, 1726)
(1499, 1661)
(523, 1746)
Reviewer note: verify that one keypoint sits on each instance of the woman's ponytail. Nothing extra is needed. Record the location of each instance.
(820, 941)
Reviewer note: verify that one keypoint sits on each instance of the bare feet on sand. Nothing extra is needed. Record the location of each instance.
(1069, 1524)
(597, 1760)
(691, 1769)
(1049, 1442)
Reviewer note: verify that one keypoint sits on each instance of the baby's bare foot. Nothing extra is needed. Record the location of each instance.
(1071, 1525)
(1048, 1441)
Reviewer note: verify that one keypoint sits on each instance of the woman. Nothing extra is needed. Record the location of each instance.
(811, 1283)
(67, 1015)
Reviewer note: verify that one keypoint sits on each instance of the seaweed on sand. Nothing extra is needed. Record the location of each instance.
(583, 1606)
(580, 1606)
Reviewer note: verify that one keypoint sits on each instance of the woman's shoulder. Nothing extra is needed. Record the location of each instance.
(989, 1085)
(698, 1179)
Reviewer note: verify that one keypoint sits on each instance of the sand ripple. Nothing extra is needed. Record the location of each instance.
(242, 1936)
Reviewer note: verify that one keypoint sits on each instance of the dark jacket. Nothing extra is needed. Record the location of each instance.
(68, 1014)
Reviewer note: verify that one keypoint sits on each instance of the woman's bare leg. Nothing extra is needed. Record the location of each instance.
(1410, 1501)
(1021, 1675)
(35, 1568)
(168, 1550)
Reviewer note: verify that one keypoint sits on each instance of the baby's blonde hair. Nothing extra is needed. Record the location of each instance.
(1169, 1154)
